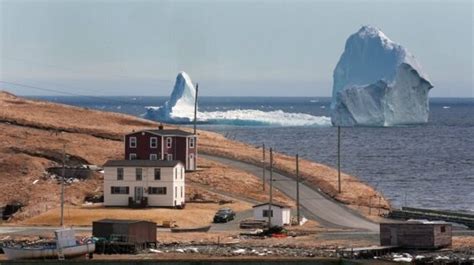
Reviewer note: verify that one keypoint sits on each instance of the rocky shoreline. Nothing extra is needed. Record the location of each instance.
(236, 250)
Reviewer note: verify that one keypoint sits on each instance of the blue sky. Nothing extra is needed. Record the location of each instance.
(232, 48)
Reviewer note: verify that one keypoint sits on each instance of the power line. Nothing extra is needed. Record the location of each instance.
(67, 93)
(66, 69)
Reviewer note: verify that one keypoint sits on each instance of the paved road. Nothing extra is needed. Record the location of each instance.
(315, 205)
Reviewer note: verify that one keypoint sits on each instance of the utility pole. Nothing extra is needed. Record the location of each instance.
(195, 107)
(62, 185)
(339, 158)
(271, 188)
(263, 166)
(297, 189)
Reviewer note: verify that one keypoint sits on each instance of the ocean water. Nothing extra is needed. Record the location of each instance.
(430, 165)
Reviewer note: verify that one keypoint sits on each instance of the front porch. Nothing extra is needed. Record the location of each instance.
(139, 203)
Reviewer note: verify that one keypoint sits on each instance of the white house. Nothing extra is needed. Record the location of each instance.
(280, 214)
(142, 183)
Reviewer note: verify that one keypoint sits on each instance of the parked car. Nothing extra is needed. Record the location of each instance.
(224, 215)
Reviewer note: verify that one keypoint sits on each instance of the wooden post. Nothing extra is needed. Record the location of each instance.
(263, 167)
(195, 108)
(297, 190)
(339, 158)
(370, 205)
(271, 190)
(62, 185)
(380, 205)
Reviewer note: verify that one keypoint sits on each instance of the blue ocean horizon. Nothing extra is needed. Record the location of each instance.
(428, 165)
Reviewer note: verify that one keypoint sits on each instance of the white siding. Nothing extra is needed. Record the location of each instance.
(281, 216)
(148, 180)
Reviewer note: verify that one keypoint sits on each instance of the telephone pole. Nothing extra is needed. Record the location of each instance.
(271, 188)
(62, 184)
(195, 107)
(263, 166)
(297, 189)
(339, 158)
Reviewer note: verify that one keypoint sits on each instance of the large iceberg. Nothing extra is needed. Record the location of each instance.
(377, 82)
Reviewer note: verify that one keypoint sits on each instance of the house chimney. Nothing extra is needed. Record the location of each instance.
(160, 127)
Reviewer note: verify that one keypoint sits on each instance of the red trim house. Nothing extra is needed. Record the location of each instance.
(162, 144)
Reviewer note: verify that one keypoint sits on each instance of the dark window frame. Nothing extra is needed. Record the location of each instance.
(159, 173)
(157, 190)
(120, 173)
(265, 213)
(139, 174)
(120, 190)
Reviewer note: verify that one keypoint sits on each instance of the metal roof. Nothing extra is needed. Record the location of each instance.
(142, 163)
(166, 132)
(273, 204)
(120, 221)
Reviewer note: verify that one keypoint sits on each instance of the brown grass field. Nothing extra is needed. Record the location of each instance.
(84, 216)
(34, 132)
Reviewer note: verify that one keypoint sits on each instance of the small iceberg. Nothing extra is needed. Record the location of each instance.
(180, 109)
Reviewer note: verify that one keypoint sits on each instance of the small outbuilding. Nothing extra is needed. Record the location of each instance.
(420, 234)
(280, 214)
(137, 232)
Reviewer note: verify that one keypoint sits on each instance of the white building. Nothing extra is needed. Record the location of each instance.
(280, 214)
(142, 183)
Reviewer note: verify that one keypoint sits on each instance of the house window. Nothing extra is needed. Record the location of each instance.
(119, 173)
(138, 173)
(182, 172)
(443, 229)
(176, 173)
(132, 156)
(157, 174)
(119, 190)
(169, 157)
(153, 157)
(157, 190)
(169, 140)
(175, 192)
(181, 191)
(265, 213)
(133, 142)
(153, 142)
(191, 142)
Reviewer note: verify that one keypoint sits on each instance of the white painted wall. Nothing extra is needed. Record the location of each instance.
(171, 178)
(281, 216)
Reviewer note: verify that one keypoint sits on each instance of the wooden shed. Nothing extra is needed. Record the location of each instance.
(129, 231)
(419, 234)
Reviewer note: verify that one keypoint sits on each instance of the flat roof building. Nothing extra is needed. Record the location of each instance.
(420, 234)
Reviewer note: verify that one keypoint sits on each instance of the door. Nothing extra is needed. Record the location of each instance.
(138, 194)
(191, 162)
(393, 237)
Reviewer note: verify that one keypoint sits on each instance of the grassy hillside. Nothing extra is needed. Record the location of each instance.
(33, 134)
